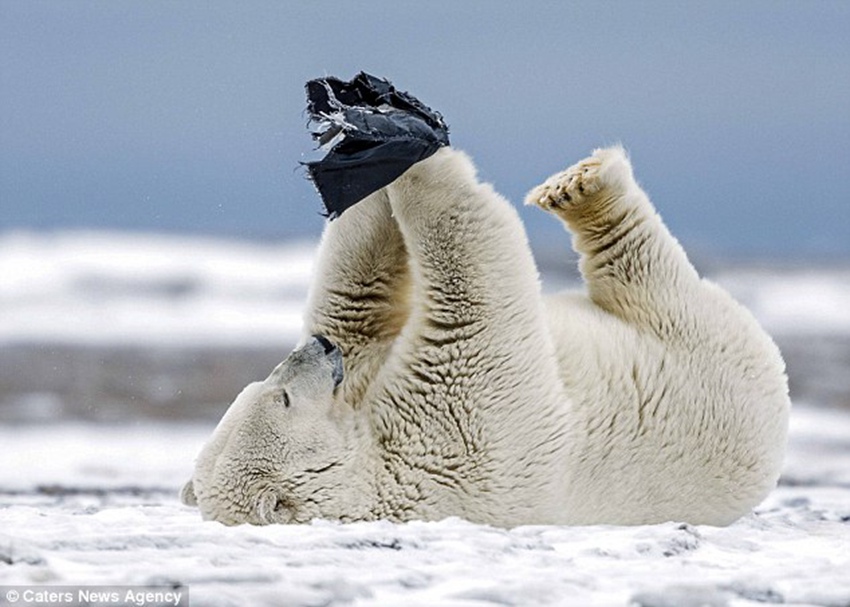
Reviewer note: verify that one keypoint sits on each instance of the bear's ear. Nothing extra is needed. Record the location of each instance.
(187, 494)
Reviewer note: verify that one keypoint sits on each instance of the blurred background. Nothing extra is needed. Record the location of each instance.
(157, 231)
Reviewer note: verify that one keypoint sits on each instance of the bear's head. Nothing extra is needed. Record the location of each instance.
(283, 450)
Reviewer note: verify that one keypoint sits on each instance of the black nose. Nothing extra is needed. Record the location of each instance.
(326, 343)
(335, 355)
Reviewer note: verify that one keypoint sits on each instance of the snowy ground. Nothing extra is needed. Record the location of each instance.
(150, 290)
(84, 504)
(90, 320)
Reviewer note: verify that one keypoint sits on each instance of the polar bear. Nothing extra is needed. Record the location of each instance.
(653, 396)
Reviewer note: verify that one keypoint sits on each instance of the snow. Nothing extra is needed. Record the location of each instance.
(796, 300)
(86, 504)
(150, 289)
(97, 503)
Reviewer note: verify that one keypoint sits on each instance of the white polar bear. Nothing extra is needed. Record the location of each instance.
(653, 397)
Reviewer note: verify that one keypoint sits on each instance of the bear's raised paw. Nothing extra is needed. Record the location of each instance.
(607, 170)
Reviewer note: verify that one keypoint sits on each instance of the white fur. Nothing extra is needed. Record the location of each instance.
(653, 397)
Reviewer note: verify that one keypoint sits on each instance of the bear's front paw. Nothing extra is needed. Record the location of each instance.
(607, 172)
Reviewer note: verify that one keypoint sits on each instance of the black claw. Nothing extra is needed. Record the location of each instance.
(375, 134)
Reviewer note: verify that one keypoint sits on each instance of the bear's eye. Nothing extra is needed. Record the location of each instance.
(283, 398)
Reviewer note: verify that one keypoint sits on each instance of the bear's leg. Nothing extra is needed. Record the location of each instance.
(470, 403)
(469, 255)
(358, 299)
(633, 266)
(476, 324)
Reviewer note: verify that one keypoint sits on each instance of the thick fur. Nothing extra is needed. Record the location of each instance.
(652, 397)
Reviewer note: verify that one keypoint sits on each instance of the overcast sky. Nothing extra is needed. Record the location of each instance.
(188, 116)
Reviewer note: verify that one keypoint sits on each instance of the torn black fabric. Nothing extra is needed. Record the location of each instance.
(374, 133)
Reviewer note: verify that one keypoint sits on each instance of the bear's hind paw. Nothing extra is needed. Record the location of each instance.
(605, 169)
